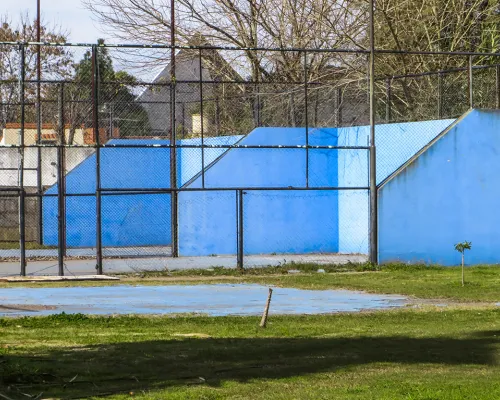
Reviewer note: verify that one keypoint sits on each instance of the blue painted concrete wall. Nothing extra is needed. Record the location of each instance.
(291, 221)
(396, 143)
(128, 220)
(447, 195)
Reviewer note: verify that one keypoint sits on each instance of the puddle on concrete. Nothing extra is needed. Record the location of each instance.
(215, 300)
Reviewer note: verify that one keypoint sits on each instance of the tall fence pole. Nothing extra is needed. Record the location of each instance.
(471, 94)
(60, 185)
(173, 142)
(338, 108)
(306, 117)
(497, 83)
(373, 164)
(440, 96)
(388, 104)
(257, 102)
(240, 228)
(98, 198)
(39, 127)
(22, 193)
(202, 127)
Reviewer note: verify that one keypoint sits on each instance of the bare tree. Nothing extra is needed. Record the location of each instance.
(250, 24)
(442, 26)
(56, 62)
(241, 23)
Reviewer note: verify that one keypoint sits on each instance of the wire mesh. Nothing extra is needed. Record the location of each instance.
(250, 152)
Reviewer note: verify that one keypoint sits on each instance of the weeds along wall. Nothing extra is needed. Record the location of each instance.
(274, 221)
(446, 195)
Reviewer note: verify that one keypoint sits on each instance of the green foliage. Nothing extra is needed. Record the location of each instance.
(461, 247)
(119, 107)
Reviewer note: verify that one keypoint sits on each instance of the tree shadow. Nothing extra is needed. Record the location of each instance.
(111, 368)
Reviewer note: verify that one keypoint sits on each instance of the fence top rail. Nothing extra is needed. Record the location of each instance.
(185, 47)
(236, 48)
(254, 82)
(187, 146)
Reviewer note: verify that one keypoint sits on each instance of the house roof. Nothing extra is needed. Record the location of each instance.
(212, 62)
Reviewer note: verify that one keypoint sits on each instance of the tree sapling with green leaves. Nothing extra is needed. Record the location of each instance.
(461, 247)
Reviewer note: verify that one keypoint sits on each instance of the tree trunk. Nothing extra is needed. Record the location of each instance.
(463, 282)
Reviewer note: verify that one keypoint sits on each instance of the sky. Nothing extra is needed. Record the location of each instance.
(70, 15)
(74, 19)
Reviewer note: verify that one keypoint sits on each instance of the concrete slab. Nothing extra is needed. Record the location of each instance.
(128, 265)
(216, 300)
(20, 279)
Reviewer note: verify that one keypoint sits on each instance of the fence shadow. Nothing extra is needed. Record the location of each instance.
(122, 367)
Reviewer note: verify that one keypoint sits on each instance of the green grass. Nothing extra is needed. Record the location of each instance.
(404, 354)
(482, 282)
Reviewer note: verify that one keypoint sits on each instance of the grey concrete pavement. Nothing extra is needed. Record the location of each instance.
(143, 263)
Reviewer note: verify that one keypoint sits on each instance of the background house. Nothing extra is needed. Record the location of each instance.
(220, 97)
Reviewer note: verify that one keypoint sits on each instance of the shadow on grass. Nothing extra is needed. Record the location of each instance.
(122, 367)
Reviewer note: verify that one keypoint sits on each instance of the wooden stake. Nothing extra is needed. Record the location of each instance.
(263, 321)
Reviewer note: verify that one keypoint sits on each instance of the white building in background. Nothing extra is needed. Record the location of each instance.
(9, 156)
(10, 134)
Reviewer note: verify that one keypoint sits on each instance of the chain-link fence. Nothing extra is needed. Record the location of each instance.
(211, 161)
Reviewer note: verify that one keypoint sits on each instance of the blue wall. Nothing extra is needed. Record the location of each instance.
(128, 220)
(447, 195)
(291, 221)
(396, 143)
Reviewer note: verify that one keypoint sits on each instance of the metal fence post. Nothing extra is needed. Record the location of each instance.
(338, 110)
(201, 122)
(373, 164)
(257, 91)
(471, 94)
(388, 104)
(306, 117)
(60, 185)
(98, 199)
(240, 228)
(183, 120)
(440, 95)
(39, 133)
(22, 193)
(497, 85)
(173, 146)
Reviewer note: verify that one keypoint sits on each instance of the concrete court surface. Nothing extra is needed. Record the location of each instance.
(142, 263)
(216, 300)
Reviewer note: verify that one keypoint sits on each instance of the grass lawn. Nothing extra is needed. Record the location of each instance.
(424, 353)
(404, 354)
